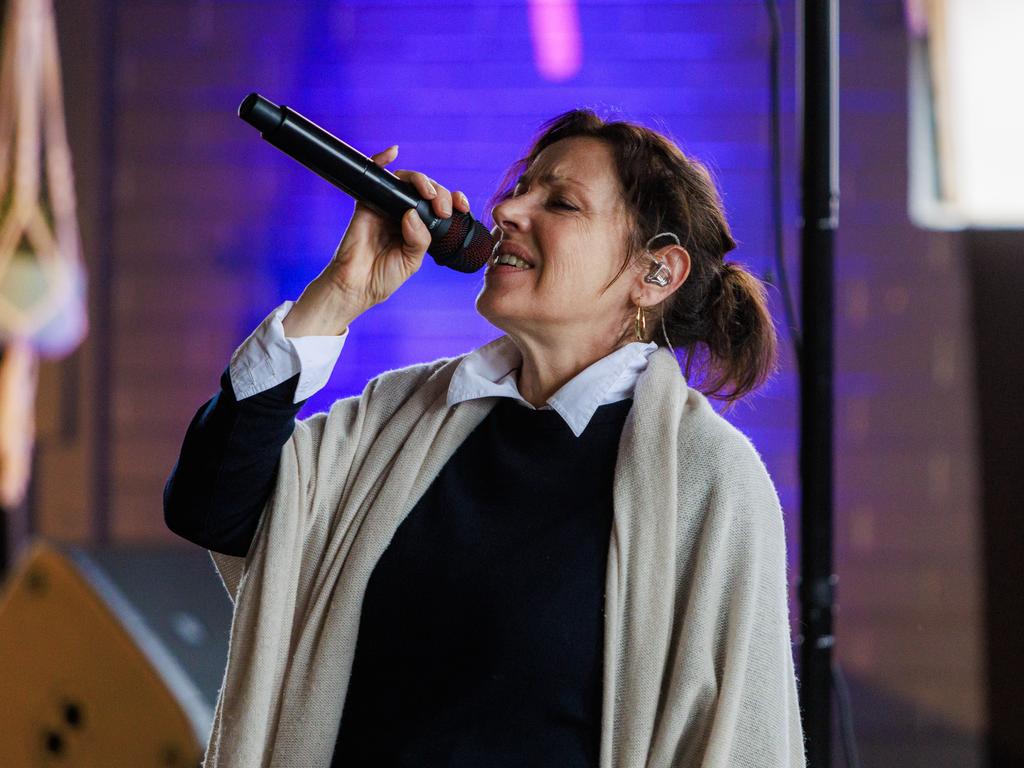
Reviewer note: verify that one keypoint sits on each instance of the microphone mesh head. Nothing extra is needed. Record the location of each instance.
(465, 247)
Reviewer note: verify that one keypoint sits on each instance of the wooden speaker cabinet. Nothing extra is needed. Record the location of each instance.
(110, 658)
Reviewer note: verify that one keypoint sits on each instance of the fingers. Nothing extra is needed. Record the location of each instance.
(387, 156)
(442, 200)
(439, 197)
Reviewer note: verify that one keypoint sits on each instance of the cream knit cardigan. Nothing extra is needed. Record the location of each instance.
(698, 668)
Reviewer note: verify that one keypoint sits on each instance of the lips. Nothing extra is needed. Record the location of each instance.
(505, 246)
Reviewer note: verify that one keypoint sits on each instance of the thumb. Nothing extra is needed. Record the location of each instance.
(415, 235)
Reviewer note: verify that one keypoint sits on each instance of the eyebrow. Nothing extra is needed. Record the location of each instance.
(551, 178)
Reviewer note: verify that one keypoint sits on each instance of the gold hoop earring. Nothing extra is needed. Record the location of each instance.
(641, 324)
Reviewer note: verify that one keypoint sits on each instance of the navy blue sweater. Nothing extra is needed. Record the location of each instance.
(480, 639)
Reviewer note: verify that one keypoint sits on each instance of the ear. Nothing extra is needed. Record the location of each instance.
(677, 260)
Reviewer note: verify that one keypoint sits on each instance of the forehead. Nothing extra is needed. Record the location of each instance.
(584, 159)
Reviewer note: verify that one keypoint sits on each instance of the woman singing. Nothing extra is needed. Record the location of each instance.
(550, 551)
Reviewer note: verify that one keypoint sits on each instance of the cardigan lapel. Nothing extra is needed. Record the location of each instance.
(641, 566)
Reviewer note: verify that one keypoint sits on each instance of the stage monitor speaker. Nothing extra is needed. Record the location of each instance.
(110, 658)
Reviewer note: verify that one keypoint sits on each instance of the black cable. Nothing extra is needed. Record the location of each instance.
(774, 89)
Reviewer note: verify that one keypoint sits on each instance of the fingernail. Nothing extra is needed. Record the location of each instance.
(446, 207)
(433, 191)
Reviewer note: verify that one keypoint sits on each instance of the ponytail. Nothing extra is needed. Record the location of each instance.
(740, 343)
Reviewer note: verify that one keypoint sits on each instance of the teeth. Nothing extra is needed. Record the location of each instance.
(508, 258)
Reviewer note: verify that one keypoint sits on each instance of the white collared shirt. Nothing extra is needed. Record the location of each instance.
(268, 357)
(492, 370)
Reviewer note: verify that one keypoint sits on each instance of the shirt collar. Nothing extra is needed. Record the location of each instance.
(492, 370)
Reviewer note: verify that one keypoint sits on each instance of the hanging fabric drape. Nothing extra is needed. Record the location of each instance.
(42, 280)
(41, 274)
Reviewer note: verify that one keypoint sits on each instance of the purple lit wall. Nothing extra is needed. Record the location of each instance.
(212, 228)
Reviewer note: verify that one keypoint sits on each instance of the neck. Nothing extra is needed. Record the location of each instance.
(546, 368)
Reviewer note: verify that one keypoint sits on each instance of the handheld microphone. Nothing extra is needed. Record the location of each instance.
(459, 242)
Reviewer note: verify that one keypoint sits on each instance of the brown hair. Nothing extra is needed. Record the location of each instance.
(719, 316)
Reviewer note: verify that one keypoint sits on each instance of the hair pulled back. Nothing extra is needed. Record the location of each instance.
(719, 316)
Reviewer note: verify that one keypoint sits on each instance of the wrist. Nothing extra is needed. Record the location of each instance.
(321, 310)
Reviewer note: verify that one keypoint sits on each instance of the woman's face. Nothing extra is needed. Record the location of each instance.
(566, 218)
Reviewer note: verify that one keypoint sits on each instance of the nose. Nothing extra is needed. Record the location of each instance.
(510, 214)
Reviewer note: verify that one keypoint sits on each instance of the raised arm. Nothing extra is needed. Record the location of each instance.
(228, 463)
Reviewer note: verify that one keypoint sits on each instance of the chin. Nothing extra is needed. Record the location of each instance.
(498, 310)
(486, 309)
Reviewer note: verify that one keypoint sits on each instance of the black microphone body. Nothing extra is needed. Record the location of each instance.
(459, 242)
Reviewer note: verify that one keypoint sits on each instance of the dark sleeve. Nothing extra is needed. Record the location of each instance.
(228, 465)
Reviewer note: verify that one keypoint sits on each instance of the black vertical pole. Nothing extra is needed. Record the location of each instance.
(820, 206)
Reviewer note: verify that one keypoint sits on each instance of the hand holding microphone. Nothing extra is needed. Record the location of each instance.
(398, 217)
(375, 257)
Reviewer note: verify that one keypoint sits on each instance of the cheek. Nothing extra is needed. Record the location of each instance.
(568, 269)
(586, 271)
(571, 263)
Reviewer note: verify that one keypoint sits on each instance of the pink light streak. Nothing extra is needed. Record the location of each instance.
(916, 14)
(557, 43)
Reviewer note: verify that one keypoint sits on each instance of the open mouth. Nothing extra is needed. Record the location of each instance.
(510, 257)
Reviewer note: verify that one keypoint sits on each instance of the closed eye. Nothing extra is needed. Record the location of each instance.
(563, 204)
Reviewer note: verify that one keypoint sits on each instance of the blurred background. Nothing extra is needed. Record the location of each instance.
(192, 230)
